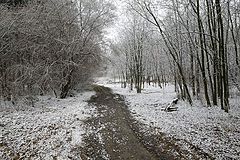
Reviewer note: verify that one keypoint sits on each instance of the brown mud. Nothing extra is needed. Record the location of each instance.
(114, 134)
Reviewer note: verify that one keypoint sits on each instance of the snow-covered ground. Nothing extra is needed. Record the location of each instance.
(209, 129)
(52, 129)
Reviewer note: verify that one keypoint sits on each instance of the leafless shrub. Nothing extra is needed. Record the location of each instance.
(50, 46)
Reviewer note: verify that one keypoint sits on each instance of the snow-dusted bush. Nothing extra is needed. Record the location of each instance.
(50, 46)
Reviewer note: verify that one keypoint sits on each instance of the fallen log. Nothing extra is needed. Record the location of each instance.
(171, 106)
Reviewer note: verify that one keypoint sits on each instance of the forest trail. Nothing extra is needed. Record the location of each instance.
(115, 135)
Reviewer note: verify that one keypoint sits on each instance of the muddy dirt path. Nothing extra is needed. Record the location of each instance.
(113, 135)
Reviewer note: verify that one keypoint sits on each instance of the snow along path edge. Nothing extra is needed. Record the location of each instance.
(52, 129)
(209, 129)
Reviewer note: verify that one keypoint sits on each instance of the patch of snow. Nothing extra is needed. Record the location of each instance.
(52, 129)
(210, 129)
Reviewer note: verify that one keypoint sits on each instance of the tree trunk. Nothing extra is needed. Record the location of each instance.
(66, 87)
(201, 39)
(223, 59)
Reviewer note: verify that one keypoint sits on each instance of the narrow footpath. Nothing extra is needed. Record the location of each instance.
(113, 134)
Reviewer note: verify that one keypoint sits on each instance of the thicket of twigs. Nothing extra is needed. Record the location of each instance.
(50, 46)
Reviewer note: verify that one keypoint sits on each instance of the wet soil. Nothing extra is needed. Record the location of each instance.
(114, 134)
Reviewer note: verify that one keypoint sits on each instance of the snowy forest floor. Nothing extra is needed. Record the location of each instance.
(196, 132)
(52, 129)
(116, 123)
